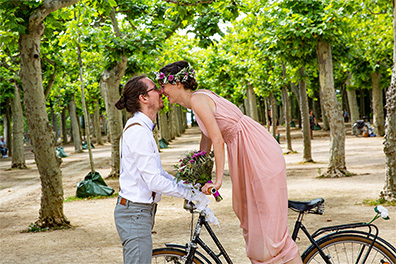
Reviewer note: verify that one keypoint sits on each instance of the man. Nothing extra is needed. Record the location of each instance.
(3, 148)
(142, 178)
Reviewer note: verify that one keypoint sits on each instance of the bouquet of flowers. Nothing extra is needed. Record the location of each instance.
(196, 168)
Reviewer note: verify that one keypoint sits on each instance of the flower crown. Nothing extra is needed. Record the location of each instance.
(181, 76)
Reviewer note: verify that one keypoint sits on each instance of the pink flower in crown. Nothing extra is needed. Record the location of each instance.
(161, 75)
(192, 161)
(171, 78)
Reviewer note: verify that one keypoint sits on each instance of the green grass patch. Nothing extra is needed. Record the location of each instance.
(35, 228)
(74, 198)
(379, 201)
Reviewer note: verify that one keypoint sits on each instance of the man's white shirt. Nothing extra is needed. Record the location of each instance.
(141, 171)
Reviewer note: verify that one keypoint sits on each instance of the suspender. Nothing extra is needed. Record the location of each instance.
(133, 124)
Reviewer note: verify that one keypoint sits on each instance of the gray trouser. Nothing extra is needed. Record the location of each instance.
(134, 222)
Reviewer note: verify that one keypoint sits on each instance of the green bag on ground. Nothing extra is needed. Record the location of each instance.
(60, 152)
(84, 145)
(163, 143)
(93, 186)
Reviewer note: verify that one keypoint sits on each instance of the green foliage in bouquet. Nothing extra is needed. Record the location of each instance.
(195, 168)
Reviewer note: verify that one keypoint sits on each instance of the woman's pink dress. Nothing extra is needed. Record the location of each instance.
(258, 174)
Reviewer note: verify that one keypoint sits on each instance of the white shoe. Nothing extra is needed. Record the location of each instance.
(5, 156)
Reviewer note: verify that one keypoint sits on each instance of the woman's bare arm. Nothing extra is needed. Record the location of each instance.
(205, 108)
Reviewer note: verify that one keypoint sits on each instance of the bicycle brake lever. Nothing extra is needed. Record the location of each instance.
(189, 206)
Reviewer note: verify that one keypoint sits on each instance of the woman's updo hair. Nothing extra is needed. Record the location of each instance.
(130, 94)
(176, 67)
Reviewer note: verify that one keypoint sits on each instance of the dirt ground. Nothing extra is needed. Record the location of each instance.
(94, 237)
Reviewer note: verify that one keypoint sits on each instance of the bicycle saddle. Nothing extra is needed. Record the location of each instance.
(306, 207)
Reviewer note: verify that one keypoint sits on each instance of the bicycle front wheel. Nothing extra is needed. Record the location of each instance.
(171, 255)
(349, 248)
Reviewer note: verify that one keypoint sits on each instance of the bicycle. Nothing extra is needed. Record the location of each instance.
(333, 244)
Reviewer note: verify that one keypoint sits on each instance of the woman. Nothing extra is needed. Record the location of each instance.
(256, 164)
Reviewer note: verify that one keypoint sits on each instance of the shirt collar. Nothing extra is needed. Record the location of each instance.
(145, 120)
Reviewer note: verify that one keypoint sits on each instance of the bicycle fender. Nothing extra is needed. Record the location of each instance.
(176, 246)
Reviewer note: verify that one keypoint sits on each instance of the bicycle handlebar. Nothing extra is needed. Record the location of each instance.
(212, 190)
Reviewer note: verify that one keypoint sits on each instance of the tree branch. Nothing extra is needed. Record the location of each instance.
(39, 14)
(51, 82)
(380, 13)
(180, 3)
(115, 23)
(383, 12)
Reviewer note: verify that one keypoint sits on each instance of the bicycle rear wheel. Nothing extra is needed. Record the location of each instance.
(349, 249)
(171, 255)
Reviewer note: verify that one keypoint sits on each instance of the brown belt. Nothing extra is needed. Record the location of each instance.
(124, 201)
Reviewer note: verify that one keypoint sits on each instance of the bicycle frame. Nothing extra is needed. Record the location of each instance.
(196, 240)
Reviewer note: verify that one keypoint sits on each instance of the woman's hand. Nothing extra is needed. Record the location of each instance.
(206, 188)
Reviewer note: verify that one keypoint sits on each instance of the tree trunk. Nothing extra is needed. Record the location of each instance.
(362, 105)
(286, 109)
(7, 127)
(337, 167)
(274, 115)
(18, 155)
(54, 121)
(353, 106)
(325, 121)
(316, 105)
(184, 118)
(246, 108)
(171, 126)
(251, 96)
(104, 126)
(296, 92)
(74, 125)
(266, 113)
(96, 119)
(163, 120)
(178, 121)
(352, 101)
(48, 164)
(389, 191)
(307, 155)
(378, 106)
(110, 83)
(64, 125)
(84, 106)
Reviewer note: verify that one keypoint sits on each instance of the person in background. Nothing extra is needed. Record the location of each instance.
(312, 122)
(3, 147)
(346, 116)
(142, 179)
(256, 164)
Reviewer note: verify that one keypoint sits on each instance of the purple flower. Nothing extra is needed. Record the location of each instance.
(203, 153)
(161, 75)
(192, 161)
(170, 78)
(180, 160)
